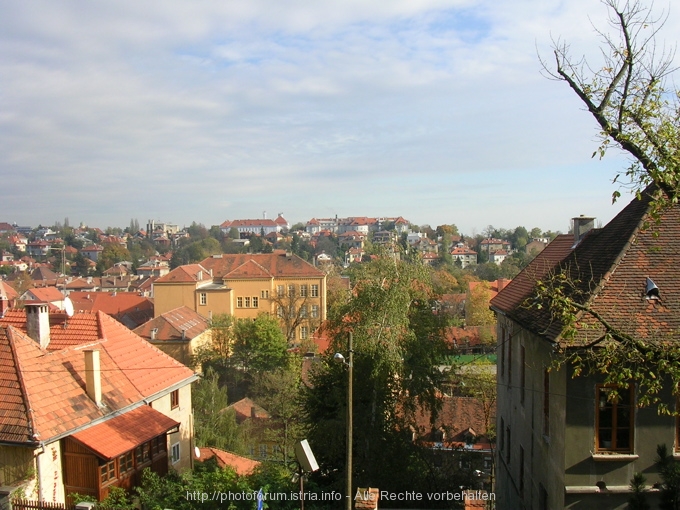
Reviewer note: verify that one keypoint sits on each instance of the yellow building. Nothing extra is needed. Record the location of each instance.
(244, 285)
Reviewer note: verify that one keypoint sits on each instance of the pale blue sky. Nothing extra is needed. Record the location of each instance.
(204, 111)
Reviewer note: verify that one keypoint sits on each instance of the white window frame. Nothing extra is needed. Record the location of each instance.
(175, 453)
(202, 298)
(315, 290)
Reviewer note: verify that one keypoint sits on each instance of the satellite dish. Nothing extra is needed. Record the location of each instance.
(68, 307)
(197, 452)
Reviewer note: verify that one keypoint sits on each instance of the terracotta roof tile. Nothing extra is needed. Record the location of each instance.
(123, 433)
(276, 264)
(246, 408)
(186, 274)
(45, 294)
(171, 324)
(457, 415)
(610, 266)
(54, 381)
(242, 465)
(249, 269)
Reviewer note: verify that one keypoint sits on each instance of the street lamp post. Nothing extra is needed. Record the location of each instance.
(350, 380)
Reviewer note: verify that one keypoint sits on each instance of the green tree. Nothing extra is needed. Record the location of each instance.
(626, 94)
(111, 254)
(259, 345)
(638, 500)
(195, 251)
(214, 424)
(477, 312)
(398, 345)
(280, 393)
(670, 474)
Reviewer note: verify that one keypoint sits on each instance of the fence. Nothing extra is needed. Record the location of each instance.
(27, 504)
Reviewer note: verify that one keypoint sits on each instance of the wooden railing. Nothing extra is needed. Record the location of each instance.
(27, 504)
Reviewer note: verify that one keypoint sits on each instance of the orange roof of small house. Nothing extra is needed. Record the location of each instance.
(122, 433)
(189, 273)
(111, 303)
(182, 323)
(7, 291)
(246, 408)
(44, 294)
(458, 417)
(243, 466)
(45, 390)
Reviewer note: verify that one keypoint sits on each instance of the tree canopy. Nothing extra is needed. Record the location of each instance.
(398, 345)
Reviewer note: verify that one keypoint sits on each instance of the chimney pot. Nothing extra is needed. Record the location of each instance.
(581, 226)
(38, 323)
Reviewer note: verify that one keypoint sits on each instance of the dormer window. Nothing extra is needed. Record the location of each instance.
(651, 290)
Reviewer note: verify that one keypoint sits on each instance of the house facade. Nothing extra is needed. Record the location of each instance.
(87, 405)
(562, 442)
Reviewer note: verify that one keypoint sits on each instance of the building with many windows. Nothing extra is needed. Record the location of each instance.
(562, 442)
(245, 285)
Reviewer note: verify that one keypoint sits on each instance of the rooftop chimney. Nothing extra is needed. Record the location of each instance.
(38, 323)
(4, 305)
(93, 376)
(581, 226)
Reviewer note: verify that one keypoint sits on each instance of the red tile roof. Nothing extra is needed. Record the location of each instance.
(246, 408)
(124, 432)
(457, 416)
(52, 382)
(111, 303)
(7, 291)
(249, 269)
(242, 465)
(278, 265)
(170, 325)
(610, 266)
(189, 273)
(45, 294)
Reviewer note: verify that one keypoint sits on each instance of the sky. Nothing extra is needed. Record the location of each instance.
(178, 111)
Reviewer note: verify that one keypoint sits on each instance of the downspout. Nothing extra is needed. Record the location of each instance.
(38, 474)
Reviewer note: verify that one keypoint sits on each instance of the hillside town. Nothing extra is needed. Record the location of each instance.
(237, 310)
(356, 362)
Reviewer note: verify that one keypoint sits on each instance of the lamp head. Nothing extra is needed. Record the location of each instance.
(339, 358)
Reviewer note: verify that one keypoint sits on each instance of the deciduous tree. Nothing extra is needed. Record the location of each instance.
(626, 93)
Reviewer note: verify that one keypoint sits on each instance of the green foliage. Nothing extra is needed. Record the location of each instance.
(111, 254)
(280, 393)
(398, 345)
(638, 500)
(670, 474)
(477, 312)
(214, 425)
(195, 251)
(259, 345)
(118, 499)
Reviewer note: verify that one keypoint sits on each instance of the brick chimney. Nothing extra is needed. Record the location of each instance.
(581, 226)
(38, 323)
(501, 283)
(93, 376)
